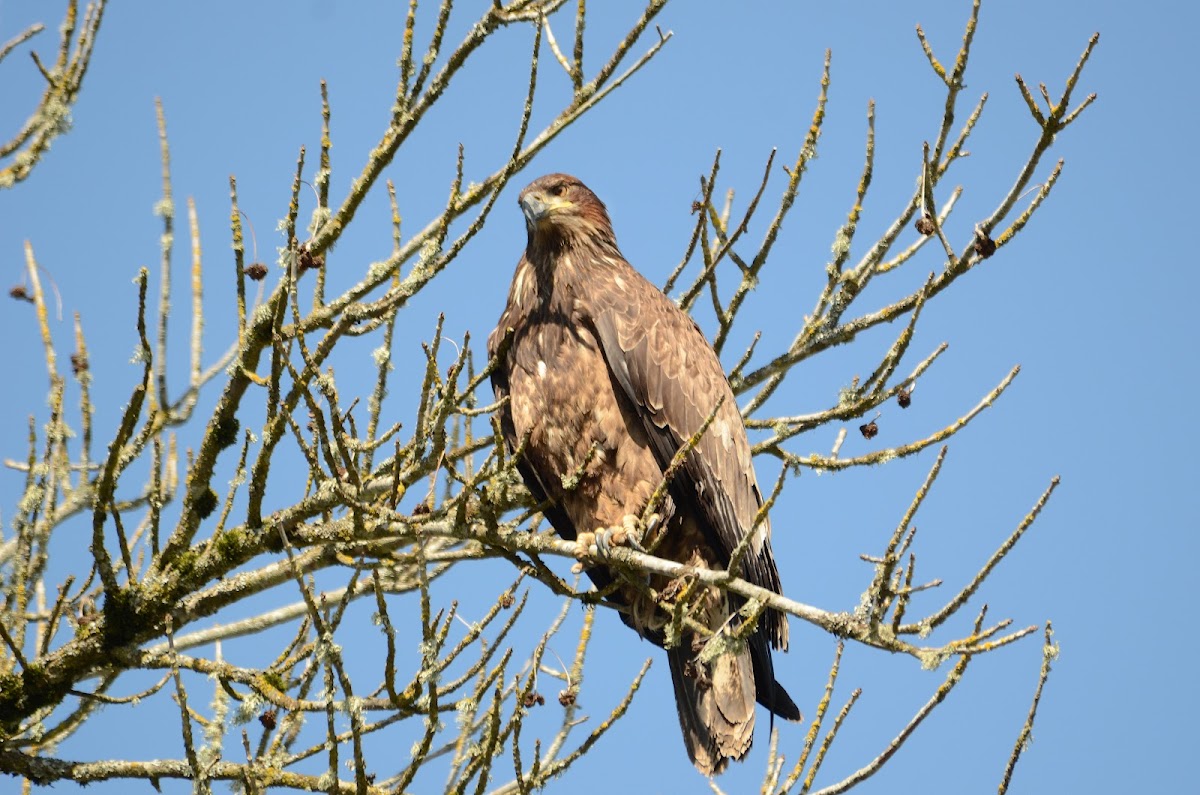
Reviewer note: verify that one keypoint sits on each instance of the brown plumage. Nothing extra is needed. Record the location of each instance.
(602, 364)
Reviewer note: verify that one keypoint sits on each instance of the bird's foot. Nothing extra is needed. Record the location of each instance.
(608, 538)
(584, 543)
(627, 534)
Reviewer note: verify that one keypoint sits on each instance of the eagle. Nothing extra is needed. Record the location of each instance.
(607, 380)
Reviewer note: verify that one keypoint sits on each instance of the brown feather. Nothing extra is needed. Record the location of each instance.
(600, 357)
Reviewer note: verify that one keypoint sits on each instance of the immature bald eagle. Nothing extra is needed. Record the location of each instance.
(607, 378)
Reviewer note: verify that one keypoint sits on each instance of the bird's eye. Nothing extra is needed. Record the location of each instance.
(557, 189)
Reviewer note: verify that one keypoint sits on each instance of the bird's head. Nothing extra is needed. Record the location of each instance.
(561, 211)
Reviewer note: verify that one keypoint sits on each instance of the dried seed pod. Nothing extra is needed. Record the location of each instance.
(20, 293)
(79, 362)
(925, 225)
(267, 719)
(507, 600)
(567, 697)
(904, 398)
(984, 245)
(306, 260)
(870, 430)
(256, 271)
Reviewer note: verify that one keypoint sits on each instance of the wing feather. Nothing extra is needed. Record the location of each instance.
(667, 369)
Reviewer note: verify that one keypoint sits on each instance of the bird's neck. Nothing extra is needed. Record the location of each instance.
(568, 258)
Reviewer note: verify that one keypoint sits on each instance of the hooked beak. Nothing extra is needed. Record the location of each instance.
(537, 207)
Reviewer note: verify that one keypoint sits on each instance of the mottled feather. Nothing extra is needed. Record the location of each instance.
(606, 379)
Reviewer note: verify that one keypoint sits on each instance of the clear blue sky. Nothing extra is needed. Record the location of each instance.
(1093, 301)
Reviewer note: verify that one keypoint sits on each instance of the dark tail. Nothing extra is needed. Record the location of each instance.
(767, 690)
(716, 705)
(715, 700)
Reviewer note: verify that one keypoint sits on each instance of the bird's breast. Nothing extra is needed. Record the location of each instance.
(560, 391)
(589, 449)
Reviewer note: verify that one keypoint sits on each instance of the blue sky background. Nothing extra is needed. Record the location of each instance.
(1093, 300)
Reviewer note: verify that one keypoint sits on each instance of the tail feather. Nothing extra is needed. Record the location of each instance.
(767, 689)
(715, 700)
(715, 704)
